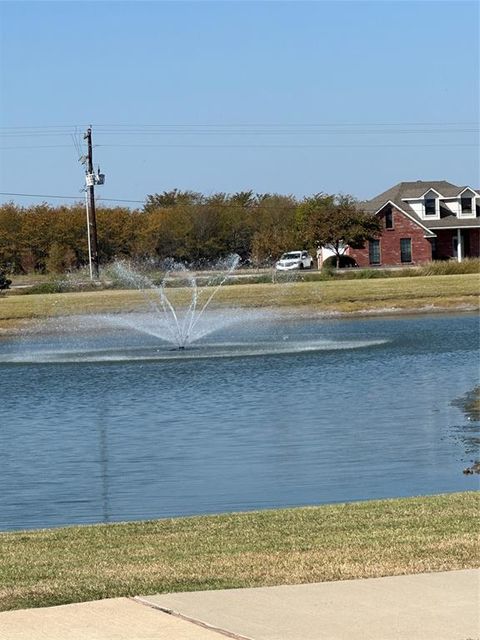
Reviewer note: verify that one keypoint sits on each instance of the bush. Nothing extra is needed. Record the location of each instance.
(4, 282)
(52, 286)
(344, 262)
(61, 285)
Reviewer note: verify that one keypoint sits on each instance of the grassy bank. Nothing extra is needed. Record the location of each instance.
(333, 542)
(79, 280)
(444, 292)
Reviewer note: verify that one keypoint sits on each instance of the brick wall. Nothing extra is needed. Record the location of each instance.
(444, 243)
(403, 227)
(445, 238)
(475, 243)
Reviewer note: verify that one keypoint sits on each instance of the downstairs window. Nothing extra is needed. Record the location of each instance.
(406, 250)
(374, 251)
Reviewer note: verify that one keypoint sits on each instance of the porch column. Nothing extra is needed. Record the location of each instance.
(459, 246)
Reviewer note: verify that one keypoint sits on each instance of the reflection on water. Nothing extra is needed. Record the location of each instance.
(468, 434)
(366, 415)
(102, 426)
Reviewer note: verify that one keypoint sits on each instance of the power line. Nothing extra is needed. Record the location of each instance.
(289, 146)
(79, 198)
(248, 124)
(246, 132)
(255, 146)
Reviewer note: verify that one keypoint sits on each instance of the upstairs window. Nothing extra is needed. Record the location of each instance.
(430, 208)
(406, 249)
(388, 219)
(466, 205)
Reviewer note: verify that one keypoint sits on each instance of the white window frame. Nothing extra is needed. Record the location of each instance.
(472, 194)
(430, 216)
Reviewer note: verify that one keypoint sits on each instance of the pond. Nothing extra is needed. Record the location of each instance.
(101, 422)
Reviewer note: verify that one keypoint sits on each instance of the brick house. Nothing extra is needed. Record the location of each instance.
(422, 221)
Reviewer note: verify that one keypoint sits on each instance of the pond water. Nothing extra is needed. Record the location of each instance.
(104, 423)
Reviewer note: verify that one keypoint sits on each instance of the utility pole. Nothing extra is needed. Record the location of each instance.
(89, 246)
(91, 180)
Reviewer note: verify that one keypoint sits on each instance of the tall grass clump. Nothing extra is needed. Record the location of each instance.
(435, 268)
(451, 267)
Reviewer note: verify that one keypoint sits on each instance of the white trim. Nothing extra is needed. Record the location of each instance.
(468, 189)
(440, 195)
(473, 199)
(405, 213)
(422, 197)
(436, 201)
(459, 226)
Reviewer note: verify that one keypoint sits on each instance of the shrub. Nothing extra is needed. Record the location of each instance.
(61, 285)
(344, 262)
(4, 282)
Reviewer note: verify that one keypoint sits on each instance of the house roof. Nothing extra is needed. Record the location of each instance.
(451, 222)
(402, 190)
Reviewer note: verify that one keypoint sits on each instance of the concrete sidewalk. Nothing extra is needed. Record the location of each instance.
(114, 619)
(432, 606)
(435, 606)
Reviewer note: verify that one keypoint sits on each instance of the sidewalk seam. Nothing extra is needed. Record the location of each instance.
(199, 623)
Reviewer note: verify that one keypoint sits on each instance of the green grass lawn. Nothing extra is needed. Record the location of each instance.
(333, 542)
(442, 292)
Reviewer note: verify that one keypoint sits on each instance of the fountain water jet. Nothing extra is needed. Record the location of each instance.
(180, 326)
(127, 336)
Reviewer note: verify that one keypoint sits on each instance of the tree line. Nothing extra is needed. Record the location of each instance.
(184, 225)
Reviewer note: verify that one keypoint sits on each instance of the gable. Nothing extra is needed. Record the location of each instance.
(410, 216)
(431, 194)
(467, 193)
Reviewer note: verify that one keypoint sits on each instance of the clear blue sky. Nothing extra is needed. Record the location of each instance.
(286, 97)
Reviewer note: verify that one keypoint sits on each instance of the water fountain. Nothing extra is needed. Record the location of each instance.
(106, 417)
(177, 320)
(181, 326)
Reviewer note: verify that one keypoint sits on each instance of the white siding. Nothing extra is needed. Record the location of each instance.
(452, 205)
(417, 206)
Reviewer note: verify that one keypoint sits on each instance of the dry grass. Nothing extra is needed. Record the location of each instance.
(334, 542)
(441, 292)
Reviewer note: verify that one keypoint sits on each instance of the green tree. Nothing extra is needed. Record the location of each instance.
(61, 258)
(38, 233)
(10, 238)
(115, 228)
(335, 222)
(168, 199)
(275, 227)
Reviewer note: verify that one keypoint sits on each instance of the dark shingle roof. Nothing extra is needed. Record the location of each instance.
(403, 190)
(413, 190)
(452, 222)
